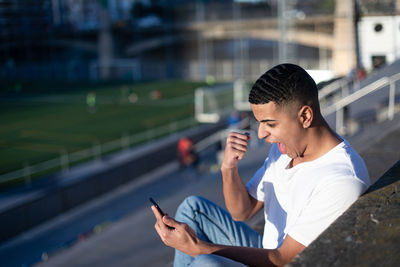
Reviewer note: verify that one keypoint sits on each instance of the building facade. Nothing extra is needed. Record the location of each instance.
(379, 40)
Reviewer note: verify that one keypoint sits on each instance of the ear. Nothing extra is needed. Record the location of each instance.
(306, 116)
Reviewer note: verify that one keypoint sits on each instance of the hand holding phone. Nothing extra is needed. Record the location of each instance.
(159, 210)
(157, 207)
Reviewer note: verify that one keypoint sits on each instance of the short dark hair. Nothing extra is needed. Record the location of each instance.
(284, 84)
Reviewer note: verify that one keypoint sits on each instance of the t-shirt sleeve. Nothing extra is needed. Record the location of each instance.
(323, 209)
(254, 183)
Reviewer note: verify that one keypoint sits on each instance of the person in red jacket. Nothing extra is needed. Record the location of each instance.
(186, 152)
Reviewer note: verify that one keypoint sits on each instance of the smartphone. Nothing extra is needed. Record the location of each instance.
(159, 210)
(157, 207)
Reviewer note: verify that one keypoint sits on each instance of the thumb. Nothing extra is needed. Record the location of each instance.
(170, 221)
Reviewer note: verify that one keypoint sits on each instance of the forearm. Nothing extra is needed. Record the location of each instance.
(246, 255)
(237, 198)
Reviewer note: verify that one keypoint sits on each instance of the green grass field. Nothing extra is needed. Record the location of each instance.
(40, 120)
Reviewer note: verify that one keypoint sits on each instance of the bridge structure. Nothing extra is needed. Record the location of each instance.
(334, 33)
(313, 31)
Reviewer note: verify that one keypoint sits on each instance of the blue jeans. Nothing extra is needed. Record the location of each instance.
(215, 225)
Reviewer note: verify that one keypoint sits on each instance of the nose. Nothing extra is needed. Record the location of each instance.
(262, 132)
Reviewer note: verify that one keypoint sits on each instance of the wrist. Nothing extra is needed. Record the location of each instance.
(227, 169)
(205, 248)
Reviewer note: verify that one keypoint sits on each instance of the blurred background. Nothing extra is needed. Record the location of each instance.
(152, 40)
(105, 102)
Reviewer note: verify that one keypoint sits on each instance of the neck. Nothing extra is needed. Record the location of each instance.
(320, 139)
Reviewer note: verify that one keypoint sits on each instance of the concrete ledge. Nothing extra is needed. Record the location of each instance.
(23, 209)
(367, 234)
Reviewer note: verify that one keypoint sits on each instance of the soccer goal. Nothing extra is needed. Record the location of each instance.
(214, 102)
(241, 90)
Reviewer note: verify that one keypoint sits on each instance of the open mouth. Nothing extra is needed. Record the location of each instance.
(282, 148)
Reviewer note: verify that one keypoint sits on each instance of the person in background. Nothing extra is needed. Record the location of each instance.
(186, 153)
(309, 178)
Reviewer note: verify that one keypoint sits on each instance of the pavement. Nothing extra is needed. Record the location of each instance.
(379, 146)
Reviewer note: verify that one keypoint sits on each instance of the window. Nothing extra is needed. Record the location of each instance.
(378, 61)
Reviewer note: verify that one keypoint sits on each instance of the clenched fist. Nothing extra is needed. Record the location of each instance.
(235, 149)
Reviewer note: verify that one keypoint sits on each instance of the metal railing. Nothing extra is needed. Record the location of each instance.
(339, 106)
(342, 85)
(95, 152)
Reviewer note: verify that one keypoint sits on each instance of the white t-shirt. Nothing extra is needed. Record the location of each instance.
(304, 200)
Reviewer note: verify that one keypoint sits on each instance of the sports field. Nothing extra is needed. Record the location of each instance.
(40, 121)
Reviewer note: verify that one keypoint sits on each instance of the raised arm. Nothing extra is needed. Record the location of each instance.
(239, 203)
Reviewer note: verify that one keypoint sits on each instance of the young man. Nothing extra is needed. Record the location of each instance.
(310, 177)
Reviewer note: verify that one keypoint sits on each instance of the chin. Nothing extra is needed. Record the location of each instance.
(292, 156)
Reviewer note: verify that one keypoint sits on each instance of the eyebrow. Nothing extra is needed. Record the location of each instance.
(267, 120)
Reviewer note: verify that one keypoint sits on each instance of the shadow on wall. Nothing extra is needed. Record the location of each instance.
(390, 177)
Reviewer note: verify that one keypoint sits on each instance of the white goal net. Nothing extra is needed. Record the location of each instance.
(214, 102)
